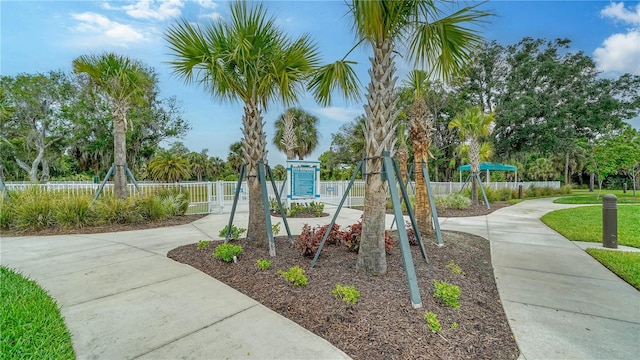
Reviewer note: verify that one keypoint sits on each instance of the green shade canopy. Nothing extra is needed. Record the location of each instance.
(491, 167)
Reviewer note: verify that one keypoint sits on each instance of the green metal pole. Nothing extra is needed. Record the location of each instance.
(484, 194)
(282, 212)
(412, 217)
(335, 216)
(133, 180)
(104, 182)
(409, 269)
(262, 178)
(236, 195)
(432, 203)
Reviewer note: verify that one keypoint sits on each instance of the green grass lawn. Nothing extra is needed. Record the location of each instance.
(623, 264)
(583, 196)
(31, 326)
(585, 224)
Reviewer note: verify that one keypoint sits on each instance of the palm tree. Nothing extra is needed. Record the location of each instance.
(123, 82)
(247, 58)
(217, 167)
(169, 167)
(199, 163)
(420, 134)
(472, 126)
(236, 156)
(443, 44)
(296, 133)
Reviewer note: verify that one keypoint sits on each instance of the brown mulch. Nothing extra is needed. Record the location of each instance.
(473, 210)
(383, 324)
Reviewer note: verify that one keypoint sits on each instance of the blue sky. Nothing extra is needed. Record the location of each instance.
(38, 36)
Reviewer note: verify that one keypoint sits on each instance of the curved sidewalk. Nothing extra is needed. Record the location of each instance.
(560, 302)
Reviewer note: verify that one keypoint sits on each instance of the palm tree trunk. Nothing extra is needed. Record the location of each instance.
(254, 143)
(289, 136)
(120, 150)
(420, 135)
(379, 134)
(566, 169)
(403, 158)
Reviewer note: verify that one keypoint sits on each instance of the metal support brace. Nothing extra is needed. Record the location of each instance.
(432, 203)
(104, 182)
(335, 216)
(280, 207)
(484, 194)
(262, 178)
(236, 195)
(407, 260)
(133, 180)
(412, 217)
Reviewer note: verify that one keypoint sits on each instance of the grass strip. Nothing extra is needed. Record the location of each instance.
(585, 224)
(31, 326)
(625, 264)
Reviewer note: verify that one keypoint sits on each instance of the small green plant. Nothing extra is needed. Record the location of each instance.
(227, 252)
(454, 268)
(203, 244)
(348, 294)
(275, 228)
(294, 275)
(453, 201)
(432, 321)
(454, 325)
(235, 233)
(263, 264)
(316, 208)
(446, 292)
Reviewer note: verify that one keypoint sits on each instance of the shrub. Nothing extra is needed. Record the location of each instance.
(33, 209)
(203, 244)
(432, 321)
(275, 228)
(316, 208)
(309, 240)
(351, 238)
(294, 275)
(411, 234)
(226, 252)
(108, 210)
(453, 201)
(235, 233)
(263, 264)
(175, 201)
(448, 293)
(454, 268)
(313, 208)
(72, 211)
(348, 294)
(6, 216)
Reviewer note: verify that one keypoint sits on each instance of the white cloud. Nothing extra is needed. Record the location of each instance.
(213, 16)
(208, 4)
(96, 30)
(149, 9)
(620, 53)
(341, 114)
(617, 11)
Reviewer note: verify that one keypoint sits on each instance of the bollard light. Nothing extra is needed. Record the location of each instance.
(610, 221)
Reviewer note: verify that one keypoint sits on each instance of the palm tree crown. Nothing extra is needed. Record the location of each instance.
(299, 138)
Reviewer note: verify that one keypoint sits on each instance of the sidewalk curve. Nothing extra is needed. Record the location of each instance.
(560, 302)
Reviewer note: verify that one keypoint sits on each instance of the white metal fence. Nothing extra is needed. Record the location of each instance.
(217, 197)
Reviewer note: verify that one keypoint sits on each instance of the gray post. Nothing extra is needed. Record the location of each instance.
(610, 221)
(624, 188)
(519, 191)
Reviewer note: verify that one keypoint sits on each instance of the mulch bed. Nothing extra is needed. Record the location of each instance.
(383, 324)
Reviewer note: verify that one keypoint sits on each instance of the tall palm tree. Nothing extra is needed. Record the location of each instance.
(433, 39)
(420, 134)
(296, 133)
(248, 59)
(199, 163)
(169, 167)
(123, 82)
(473, 125)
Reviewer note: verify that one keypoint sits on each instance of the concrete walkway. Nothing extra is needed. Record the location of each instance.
(122, 298)
(561, 303)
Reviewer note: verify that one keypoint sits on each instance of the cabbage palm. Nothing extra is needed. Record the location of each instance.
(473, 125)
(420, 134)
(296, 133)
(169, 167)
(199, 163)
(123, 82)
(431, 38)
(248, 59)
